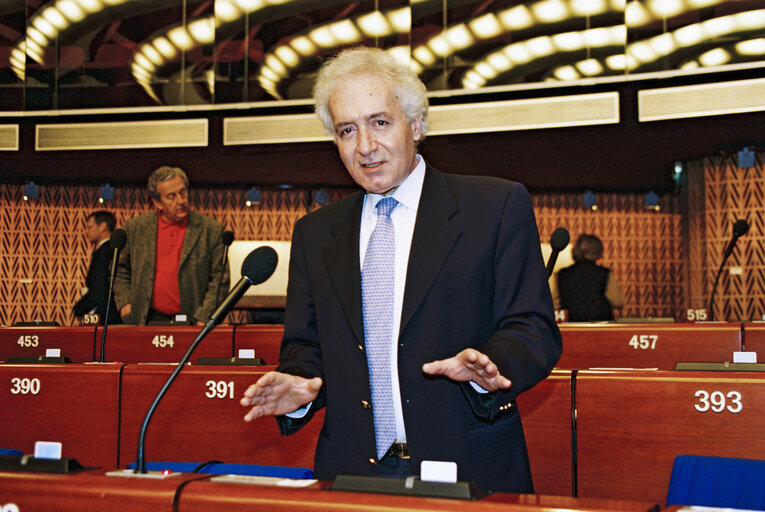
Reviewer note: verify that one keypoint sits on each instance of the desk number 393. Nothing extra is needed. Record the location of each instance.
(717, 401)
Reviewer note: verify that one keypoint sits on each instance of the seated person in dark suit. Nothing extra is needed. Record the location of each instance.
(99, 227)
(588, 291)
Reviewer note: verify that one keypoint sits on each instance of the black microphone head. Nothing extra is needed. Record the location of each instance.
(118, 239)
(260, 264)
(227, 237)
(560, 239)
(740, 228)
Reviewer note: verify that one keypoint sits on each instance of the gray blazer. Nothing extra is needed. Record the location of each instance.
(203, 277)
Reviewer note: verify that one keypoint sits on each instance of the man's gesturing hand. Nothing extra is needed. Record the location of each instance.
(469, 365)
(277, 393)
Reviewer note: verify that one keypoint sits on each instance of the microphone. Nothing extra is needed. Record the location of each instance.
(740, 227)
(558, 241)
(227, 238)
(117, 242)
(258, 266)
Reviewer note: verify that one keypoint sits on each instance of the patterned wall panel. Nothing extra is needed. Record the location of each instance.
(44, 255)
(642, 247)
(719, 193)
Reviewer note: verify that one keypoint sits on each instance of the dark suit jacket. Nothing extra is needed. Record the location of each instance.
(97, 282)
(475, 279)
(202, 276)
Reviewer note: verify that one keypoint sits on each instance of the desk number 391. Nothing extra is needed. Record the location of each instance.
(717, 401)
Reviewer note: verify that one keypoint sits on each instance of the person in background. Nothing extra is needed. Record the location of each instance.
(173, 261)
(588, 291)
(98, 229)
(418, 308)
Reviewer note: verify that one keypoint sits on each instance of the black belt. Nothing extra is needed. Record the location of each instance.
(398, 450)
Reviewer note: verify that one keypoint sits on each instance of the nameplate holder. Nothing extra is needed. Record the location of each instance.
(230, 361)
(411, 486)
(744, 357)
(31, 464)
(37, 360)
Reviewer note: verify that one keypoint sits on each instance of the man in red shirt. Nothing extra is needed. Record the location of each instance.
(173, 261)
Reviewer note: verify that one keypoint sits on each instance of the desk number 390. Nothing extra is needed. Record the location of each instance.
(24, 386)
(717, 401)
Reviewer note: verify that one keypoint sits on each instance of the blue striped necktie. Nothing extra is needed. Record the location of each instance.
(377, 278)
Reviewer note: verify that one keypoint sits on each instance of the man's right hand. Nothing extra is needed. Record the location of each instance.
(277, 393)
(125, 311)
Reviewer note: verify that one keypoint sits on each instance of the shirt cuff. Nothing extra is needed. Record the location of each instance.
(478, 388)
(301, 412)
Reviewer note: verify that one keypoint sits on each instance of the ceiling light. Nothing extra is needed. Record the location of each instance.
(691, 64)
(90, 6)
(590, 67)
(540, 46)
(303, 46)
(226, 11)
(401, 54)
(345, 32)
(422, 54)
(751, 47)
(269, 73)
(599, 37)
(616, 62)
(459, 37)
(166, 48)
(699, 4)
(588, 7)
(472, 80)
(716, 57)
(374, 24)
(568, 41)
(180, 38)
(249, 5)
(566, 73)
(37, 36)
(718, 27)
(152, 54)
(642, 52)
(322, 37)
(486, 71)
(55, 18)
(71, 10)
(401, 20)
(203, 31)
(518, 53)
(636, 15)
(690, 35)
(45, 27)
(439, 46)
(141, 60)
(516, 18)
(276, 65)
(499, 62)
(550, 11)
(486, 26)
(666, 8)
(663, 44)
(288, 56)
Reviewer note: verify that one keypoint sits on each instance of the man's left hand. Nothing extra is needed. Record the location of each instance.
(469, 365)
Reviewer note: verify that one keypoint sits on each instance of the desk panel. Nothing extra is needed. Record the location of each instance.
(754, 339)
(75, 404)
(658, 346)
(211, 496)
(200, 419)
(164, 343)
(546, 414)
(76, 343)
(89, 491)
(631, 425)
(264, 339)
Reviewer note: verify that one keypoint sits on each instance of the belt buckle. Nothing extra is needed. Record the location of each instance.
(399, 450)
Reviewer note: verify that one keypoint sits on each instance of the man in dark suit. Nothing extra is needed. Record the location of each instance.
(173, 261)
(99, 227)
(469, 322)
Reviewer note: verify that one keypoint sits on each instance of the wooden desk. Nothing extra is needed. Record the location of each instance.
(90, 491)
(265, 339)
(164, 343)
(200, 419)
(657, 346)
(754, 339)
(75, 404)
(76, 343)
(211, 496)
(546, 414)
(631, 425)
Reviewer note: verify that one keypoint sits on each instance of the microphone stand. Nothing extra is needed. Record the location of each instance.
(112, 275)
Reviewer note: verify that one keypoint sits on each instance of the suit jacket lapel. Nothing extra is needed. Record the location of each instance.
(190, 239)
(341, 256)
(433, 237)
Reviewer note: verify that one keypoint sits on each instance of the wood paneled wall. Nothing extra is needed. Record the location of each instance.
(664, 260)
